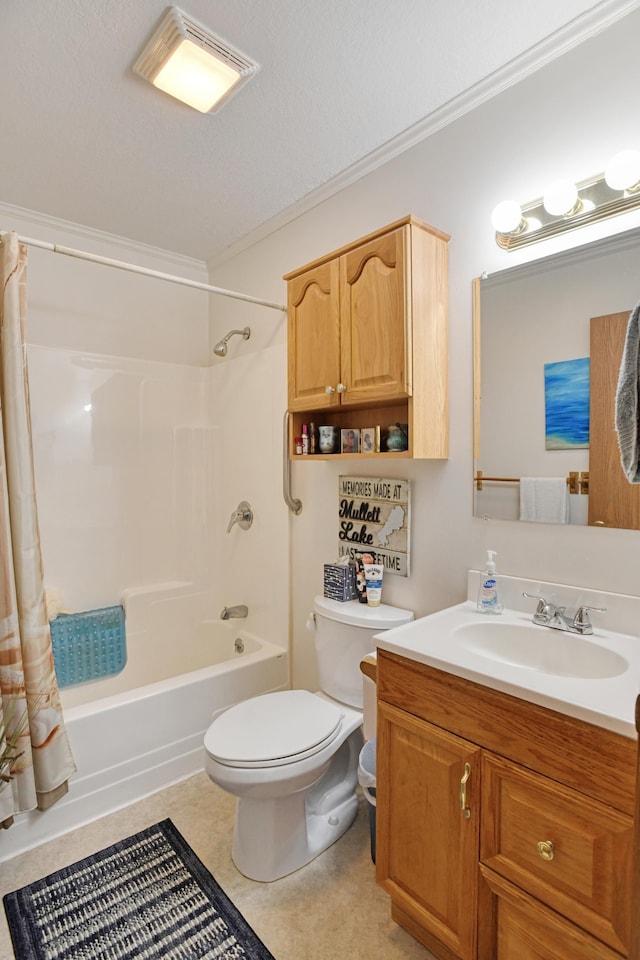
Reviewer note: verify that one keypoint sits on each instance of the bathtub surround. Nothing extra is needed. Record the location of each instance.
(148, 893)
(28, 685)
(127, 467)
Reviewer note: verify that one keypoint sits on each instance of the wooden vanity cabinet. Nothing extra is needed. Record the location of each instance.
(504, 830)
(368, 336)
(426, 847)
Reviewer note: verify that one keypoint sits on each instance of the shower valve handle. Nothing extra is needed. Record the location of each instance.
(243, 516)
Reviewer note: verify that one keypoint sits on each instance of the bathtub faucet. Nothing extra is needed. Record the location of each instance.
(241, 610)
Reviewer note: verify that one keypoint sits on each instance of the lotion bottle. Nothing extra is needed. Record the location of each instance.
(488, 599)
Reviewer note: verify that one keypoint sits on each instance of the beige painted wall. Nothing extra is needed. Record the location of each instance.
(565, 120)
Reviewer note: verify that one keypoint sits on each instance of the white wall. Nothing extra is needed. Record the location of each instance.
(566, 120)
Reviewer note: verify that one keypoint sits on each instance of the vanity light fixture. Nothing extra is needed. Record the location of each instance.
(567, 206)
(187, 61)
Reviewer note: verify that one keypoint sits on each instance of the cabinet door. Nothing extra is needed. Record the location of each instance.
(314, 338)
(375, 319)
(428, 827)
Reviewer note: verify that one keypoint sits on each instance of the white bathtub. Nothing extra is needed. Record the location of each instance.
(132, 743)
(162, 651)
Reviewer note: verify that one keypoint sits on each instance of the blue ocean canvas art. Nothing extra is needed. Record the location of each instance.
(566, 396)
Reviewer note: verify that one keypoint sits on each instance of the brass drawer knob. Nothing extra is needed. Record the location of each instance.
(545, 849)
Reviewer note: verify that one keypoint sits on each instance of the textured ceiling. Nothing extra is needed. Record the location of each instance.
(86, 140)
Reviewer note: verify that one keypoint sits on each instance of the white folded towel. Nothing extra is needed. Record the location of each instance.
(544, 499)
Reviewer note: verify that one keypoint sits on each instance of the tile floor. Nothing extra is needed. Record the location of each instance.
(330, 908)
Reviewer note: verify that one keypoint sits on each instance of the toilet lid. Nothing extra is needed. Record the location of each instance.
(273, 729)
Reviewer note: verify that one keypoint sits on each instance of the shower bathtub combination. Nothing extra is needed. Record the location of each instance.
(131, 742)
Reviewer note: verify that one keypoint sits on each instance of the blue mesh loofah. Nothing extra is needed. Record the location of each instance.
(88, 646)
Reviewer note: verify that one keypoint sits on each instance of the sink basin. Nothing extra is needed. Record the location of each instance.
(542, 649)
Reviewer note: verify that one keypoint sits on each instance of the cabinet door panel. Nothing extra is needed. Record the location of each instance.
(314, 338)
(427, 848)
(374, 311)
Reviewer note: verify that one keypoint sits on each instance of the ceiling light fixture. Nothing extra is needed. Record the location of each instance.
(187, 61)
(567, 206)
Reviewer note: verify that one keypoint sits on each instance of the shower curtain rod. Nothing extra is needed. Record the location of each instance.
(145, 272)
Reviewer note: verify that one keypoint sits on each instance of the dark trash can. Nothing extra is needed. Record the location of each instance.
(367, 780)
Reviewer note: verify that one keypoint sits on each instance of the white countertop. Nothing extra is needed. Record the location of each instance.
(607, 702)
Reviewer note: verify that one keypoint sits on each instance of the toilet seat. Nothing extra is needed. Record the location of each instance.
(273, 730)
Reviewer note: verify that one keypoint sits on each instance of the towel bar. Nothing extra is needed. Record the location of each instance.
(577, 481)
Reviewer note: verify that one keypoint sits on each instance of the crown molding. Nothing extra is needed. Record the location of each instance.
(52, 226)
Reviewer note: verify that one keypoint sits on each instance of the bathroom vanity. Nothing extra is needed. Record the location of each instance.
(505, 814)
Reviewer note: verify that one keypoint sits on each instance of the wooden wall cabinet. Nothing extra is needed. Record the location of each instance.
(504, 830)
(368, 337)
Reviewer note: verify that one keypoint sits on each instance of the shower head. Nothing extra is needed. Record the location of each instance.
(220, 348)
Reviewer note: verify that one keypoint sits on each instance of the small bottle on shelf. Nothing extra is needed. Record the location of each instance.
(305, 439)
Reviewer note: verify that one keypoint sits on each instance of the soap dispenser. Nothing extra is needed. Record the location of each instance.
(488, 599)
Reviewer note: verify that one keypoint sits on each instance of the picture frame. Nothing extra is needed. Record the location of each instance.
(349, 440)
(368, 440)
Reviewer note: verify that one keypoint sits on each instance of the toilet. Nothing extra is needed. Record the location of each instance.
(291, 757)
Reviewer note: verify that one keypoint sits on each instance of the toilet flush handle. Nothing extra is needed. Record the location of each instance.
(311, 623)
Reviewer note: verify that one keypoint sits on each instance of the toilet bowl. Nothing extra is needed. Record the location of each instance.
(291, 757)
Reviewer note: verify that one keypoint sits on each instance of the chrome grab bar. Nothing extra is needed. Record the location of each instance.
(294, 505)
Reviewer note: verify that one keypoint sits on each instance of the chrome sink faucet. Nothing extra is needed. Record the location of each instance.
(547, 614)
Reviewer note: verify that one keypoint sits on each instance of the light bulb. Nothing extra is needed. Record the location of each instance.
(560, 198)
(506, 217)
(193, 75)
(623, 171)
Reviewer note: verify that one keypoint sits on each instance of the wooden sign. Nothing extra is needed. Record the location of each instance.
(373, 514)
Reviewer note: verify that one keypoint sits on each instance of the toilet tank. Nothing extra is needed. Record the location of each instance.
(343, 636)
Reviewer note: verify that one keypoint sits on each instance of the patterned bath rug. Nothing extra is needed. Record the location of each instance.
(145, 898)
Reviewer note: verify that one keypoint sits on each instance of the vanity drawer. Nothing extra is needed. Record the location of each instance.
(522, 928)
(570, 852)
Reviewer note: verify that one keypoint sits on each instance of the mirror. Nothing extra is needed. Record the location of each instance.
(548, 338)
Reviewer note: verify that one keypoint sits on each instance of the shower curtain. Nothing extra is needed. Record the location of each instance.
(31, 723)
